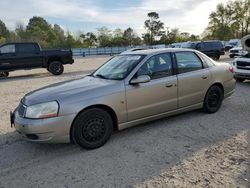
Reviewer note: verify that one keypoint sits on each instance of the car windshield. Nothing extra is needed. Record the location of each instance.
(118, 67)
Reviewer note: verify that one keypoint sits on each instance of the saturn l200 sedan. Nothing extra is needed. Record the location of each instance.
(129, 89)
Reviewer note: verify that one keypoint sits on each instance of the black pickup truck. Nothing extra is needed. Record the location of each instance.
(17, 56)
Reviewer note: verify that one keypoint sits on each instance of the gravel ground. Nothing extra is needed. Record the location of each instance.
(189, 150)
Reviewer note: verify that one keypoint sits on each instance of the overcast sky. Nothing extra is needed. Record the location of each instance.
(87, 15)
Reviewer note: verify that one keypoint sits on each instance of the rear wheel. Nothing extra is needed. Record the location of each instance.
(231, 55)
(213, 99)
(56, 67)
(4, 74)
(92, 128)
(217, 57)
(240, 79)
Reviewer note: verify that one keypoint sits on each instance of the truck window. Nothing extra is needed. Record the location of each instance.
(27, 48)
(8, 49)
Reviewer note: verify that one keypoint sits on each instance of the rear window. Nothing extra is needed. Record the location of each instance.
(213, 45)
(188, 62)
(26, 48)
(207, 60)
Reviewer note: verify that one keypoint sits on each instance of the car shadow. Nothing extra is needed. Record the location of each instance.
(43, 75)
(131, 157)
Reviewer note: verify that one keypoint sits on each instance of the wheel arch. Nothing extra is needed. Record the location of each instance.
(216, 84)
(108, 109)
(53, 58)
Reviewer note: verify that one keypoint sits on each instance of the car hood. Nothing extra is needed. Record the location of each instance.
(67, 89)
(236, 48)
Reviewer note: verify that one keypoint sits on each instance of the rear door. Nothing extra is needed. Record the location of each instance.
(193, 79)
(29, 55)
(157, 96)
(7, 57)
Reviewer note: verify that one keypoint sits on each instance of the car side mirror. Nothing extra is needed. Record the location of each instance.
(140, 79)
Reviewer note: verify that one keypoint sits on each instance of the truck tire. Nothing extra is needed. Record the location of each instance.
(231, 55)
(217, 57)
(56, 68)
(4, 74)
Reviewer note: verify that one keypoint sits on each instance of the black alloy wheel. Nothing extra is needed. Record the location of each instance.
(56, 68)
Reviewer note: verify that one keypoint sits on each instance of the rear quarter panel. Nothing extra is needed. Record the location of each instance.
(221, 74)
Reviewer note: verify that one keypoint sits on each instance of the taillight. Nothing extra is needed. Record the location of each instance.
(231, 69)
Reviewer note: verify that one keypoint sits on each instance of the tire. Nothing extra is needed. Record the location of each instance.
(213, 99)
(56, 68)
(4, 74)
(92, 128)
(240, 79)
(231, 55)
(217, 57)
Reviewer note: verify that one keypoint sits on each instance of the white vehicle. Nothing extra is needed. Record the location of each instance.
(242, 64)
(237, 51)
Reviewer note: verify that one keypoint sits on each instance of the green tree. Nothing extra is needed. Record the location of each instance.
(90, 39)
(131, 37)
(4, 32)
(104, 37)
(229, 20)
(155, 28)
(21, 33)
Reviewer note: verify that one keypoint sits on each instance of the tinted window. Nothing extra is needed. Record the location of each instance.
(187, 62)
(157, 66)
(8, 49)
(213, 45)
(27, 48)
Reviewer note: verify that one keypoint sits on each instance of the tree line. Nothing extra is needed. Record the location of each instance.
(230, 20)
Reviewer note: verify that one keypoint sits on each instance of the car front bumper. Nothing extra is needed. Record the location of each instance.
(51, 130)
(242, 75)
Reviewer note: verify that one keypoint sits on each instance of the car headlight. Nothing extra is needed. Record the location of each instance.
(42, 110)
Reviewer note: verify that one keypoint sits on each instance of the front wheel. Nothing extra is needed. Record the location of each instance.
(4, 74)
(56, 67)
(213, 99)
(92, 128)
(217, 57)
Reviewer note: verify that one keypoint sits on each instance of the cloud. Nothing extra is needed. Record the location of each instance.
(188, 15)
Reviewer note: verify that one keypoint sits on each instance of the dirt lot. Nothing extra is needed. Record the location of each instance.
(189, 150)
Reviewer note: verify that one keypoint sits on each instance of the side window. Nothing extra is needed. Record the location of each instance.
(8, 49)
(199, 46)
(208, 60)
(26, 48)
(157, 66)
(187, 62)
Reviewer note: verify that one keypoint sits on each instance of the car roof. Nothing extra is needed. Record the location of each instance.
(157, 51)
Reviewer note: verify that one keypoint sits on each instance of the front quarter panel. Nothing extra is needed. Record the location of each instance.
(112, 96)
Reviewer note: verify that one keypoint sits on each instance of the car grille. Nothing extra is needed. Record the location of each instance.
(243, 65)
(21, 110)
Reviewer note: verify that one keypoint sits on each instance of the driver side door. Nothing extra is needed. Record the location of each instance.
(156, 96)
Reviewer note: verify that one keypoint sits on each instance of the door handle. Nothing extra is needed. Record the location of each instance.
(169, 85)
(204, 77)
